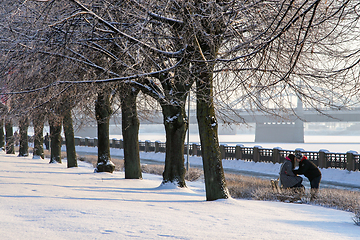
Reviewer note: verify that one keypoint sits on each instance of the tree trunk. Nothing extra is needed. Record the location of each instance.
(2, 137)
(38, 123)
(24, 145)
(55, 138)
(175, 122)
(10, 148)
(205, 51)
(103, 112)
(208, 130)
(130, 132)
(69, 138)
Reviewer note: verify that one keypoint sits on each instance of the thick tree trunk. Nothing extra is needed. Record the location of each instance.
(208, 127)
(69, 139)
(213, 171)
(9, 148)
(130, 132)
(103, 112)
(24, 145)
(38, 123)
(55, 138)
(176, 124)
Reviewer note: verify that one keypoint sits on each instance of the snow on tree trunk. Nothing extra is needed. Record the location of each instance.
(103, 112)
(175, 122)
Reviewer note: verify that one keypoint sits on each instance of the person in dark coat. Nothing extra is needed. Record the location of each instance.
(287, 178)
(309, 170)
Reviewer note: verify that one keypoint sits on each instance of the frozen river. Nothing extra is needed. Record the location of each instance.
(156, 132)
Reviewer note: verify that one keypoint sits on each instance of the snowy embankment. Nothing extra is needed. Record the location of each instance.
(49, 201)
(334, 177)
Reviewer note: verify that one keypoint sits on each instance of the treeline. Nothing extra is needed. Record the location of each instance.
(71, 59)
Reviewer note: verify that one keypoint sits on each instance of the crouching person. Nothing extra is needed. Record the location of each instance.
(311, 171)
(288, 179)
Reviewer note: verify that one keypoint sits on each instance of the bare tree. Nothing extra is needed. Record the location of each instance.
(256, 44)
(35, 71)
(235, 51)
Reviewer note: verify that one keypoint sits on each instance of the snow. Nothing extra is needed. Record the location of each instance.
(49, 201)
(172, 119)
(270, 170)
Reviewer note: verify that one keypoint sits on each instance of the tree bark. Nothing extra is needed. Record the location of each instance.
(213, 171)
(38, 123)
(176, 124)
(2, 137)
(130, 132)
(24, 145)
(69, 139)
(55, 138)
(206, 49)
(9, 148)
(103, 112)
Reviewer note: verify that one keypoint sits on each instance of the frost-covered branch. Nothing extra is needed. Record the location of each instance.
(130, 38)
(125, 80)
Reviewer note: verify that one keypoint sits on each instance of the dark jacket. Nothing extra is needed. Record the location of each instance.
(308, 169)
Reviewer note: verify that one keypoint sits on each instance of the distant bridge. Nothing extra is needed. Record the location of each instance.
(270, 128)
(353, 115)
(291, 128)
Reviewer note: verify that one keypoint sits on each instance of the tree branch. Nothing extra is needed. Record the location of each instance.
(112, 27)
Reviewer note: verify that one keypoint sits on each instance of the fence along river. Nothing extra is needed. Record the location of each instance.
(323, 158)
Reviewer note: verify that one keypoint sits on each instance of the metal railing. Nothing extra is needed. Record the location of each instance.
(323, 158)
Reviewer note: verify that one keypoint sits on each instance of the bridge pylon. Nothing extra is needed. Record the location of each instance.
(291, 131)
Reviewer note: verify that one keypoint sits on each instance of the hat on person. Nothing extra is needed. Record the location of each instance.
(298, 155)
(291, 157)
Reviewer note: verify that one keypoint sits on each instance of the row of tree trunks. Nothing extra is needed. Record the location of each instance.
(56, 122)
(55, 134)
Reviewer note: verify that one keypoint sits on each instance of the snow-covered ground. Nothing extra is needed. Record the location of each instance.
(48, 201)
